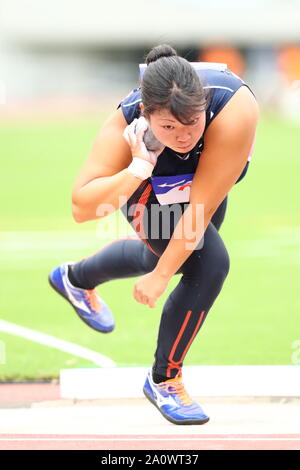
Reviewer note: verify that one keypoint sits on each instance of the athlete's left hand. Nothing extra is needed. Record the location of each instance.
(149, 288)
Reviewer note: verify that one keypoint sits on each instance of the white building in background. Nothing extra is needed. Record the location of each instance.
(92, 47)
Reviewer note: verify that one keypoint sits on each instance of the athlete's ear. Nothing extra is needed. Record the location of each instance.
(142, 108)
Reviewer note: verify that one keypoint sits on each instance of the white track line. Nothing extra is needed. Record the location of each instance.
(48, 340)
(171, 438)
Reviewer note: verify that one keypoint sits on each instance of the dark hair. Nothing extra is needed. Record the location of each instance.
(171, 82)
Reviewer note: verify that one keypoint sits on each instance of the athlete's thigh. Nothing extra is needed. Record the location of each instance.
(211, 255)
(211, 247)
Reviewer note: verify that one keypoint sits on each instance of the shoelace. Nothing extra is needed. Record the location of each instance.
(176, 386)
(93, 300)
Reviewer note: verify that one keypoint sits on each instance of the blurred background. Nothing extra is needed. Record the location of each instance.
(67, 49)
(64, 67)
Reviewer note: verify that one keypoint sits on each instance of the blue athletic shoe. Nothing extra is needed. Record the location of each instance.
(171, 399)
(87, 303)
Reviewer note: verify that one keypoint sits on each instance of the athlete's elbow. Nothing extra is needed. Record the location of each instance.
(79, 208)
(79, 214)
(87, 213)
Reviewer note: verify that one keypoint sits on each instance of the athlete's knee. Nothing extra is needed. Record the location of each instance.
(211, 265)
(219, 269)
(150, 260)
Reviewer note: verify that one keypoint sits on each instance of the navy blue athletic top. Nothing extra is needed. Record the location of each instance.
(172, 177)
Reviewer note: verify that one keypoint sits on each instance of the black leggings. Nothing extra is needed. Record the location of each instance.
(185, 310)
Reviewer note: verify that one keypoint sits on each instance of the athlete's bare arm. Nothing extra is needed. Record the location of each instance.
(104, 176)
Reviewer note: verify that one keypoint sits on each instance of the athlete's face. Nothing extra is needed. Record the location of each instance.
(175, 135)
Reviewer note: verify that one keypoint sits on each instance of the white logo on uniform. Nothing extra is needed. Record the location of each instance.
(166, 184)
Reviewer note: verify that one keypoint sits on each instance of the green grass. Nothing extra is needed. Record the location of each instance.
(253, 321)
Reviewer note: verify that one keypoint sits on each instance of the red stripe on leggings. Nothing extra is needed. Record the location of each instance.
(193, 336)
(138, 219)
(176, 364)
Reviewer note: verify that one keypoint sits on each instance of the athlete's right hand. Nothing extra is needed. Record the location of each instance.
(134, 134)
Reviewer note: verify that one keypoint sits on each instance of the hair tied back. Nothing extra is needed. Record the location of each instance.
(163, 50)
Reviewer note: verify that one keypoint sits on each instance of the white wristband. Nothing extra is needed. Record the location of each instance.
(140, 168)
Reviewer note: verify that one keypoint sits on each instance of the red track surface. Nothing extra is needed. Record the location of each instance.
(12, 393)
(156, 442)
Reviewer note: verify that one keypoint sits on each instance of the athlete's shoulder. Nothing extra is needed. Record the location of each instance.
(220, 79)
(220, 85)
(130, 105)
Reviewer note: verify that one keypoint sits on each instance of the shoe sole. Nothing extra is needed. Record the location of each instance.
(172, 420)
(68, 300)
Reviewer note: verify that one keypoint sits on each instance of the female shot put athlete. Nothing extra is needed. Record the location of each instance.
(205, 121)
